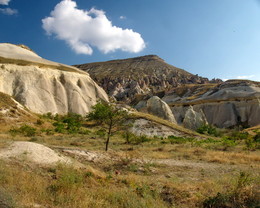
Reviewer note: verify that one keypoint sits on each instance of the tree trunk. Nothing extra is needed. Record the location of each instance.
(108, 134)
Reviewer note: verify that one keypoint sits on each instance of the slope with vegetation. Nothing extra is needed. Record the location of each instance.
(137, 171)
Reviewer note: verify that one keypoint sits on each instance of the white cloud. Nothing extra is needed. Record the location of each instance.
(122, 17)
(84, 29)
(242, 77)
(8, 11)
(245, 77)
(4, 2)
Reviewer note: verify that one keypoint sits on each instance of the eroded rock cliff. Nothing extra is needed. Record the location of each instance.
(44, 86)
(232, 103)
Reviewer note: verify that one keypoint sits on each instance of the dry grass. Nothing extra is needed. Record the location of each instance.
(50, 65)
(131, 175)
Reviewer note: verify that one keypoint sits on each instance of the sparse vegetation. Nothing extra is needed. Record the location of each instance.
(24, 130)
(209, 130)
(242, 194)
(108, 115)
(139, 171)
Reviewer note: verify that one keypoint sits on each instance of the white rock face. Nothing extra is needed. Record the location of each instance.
(148, 128)
(193, 120)
(229, 104)
(159, 108)
(43, 86)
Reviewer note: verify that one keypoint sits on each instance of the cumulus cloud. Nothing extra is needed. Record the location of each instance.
(4, 2)
(83, 30)
(122, 17)
(8, 11)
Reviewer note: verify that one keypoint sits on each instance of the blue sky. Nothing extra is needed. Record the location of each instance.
(212, 38)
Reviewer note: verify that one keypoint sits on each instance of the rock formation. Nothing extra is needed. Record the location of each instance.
(159, 108)
(232, 103)
(127, 78)
(44, 86)
(136, 80)
(193, 120)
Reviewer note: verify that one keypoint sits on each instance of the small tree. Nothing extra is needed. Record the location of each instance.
(109, 115)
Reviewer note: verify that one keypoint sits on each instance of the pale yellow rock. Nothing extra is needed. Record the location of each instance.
(43, 86)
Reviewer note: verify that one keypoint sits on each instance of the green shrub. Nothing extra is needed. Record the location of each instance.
(47, 115)
(70, 123)
(257, 138)
(208, 129)
(135, 139)
(24, 130)
(243, 194)
(59, 127)
(66, 178)
(179, 140)
(6, 201)
(101, 132)
(238, 135)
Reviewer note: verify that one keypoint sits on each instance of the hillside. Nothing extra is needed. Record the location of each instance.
(124, 79)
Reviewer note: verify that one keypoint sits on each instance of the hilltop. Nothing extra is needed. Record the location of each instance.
(126, 78)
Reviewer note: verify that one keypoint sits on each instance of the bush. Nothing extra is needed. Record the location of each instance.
(39, 122)
(179, 140)
(6, 201)
(70, 123)
(25, 130)
(134, 139)
(208, 129)
(243, 194)
(59, 127)
(66, 178)
(101, 132)
(237, 135)
(257, 138)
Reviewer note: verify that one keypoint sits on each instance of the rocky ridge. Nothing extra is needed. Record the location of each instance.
(125, 79)
(193, 100)
(225, 105)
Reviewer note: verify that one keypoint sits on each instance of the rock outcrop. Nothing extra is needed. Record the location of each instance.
(44, 86)
(232, 103)
(193, 120)
(127, 78)
(159, 108)
(33, 152)
(136, 80)
(152, 129)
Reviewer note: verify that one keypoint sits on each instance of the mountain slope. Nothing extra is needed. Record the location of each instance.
(124, 79)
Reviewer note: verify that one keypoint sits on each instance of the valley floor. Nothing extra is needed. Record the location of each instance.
(149, 172)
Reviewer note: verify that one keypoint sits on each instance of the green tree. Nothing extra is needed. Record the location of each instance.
(109, 115)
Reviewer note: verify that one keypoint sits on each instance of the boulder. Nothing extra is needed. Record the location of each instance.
(159, 108)
(193, 120)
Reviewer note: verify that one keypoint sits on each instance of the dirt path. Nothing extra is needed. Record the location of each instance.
(188, 163)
